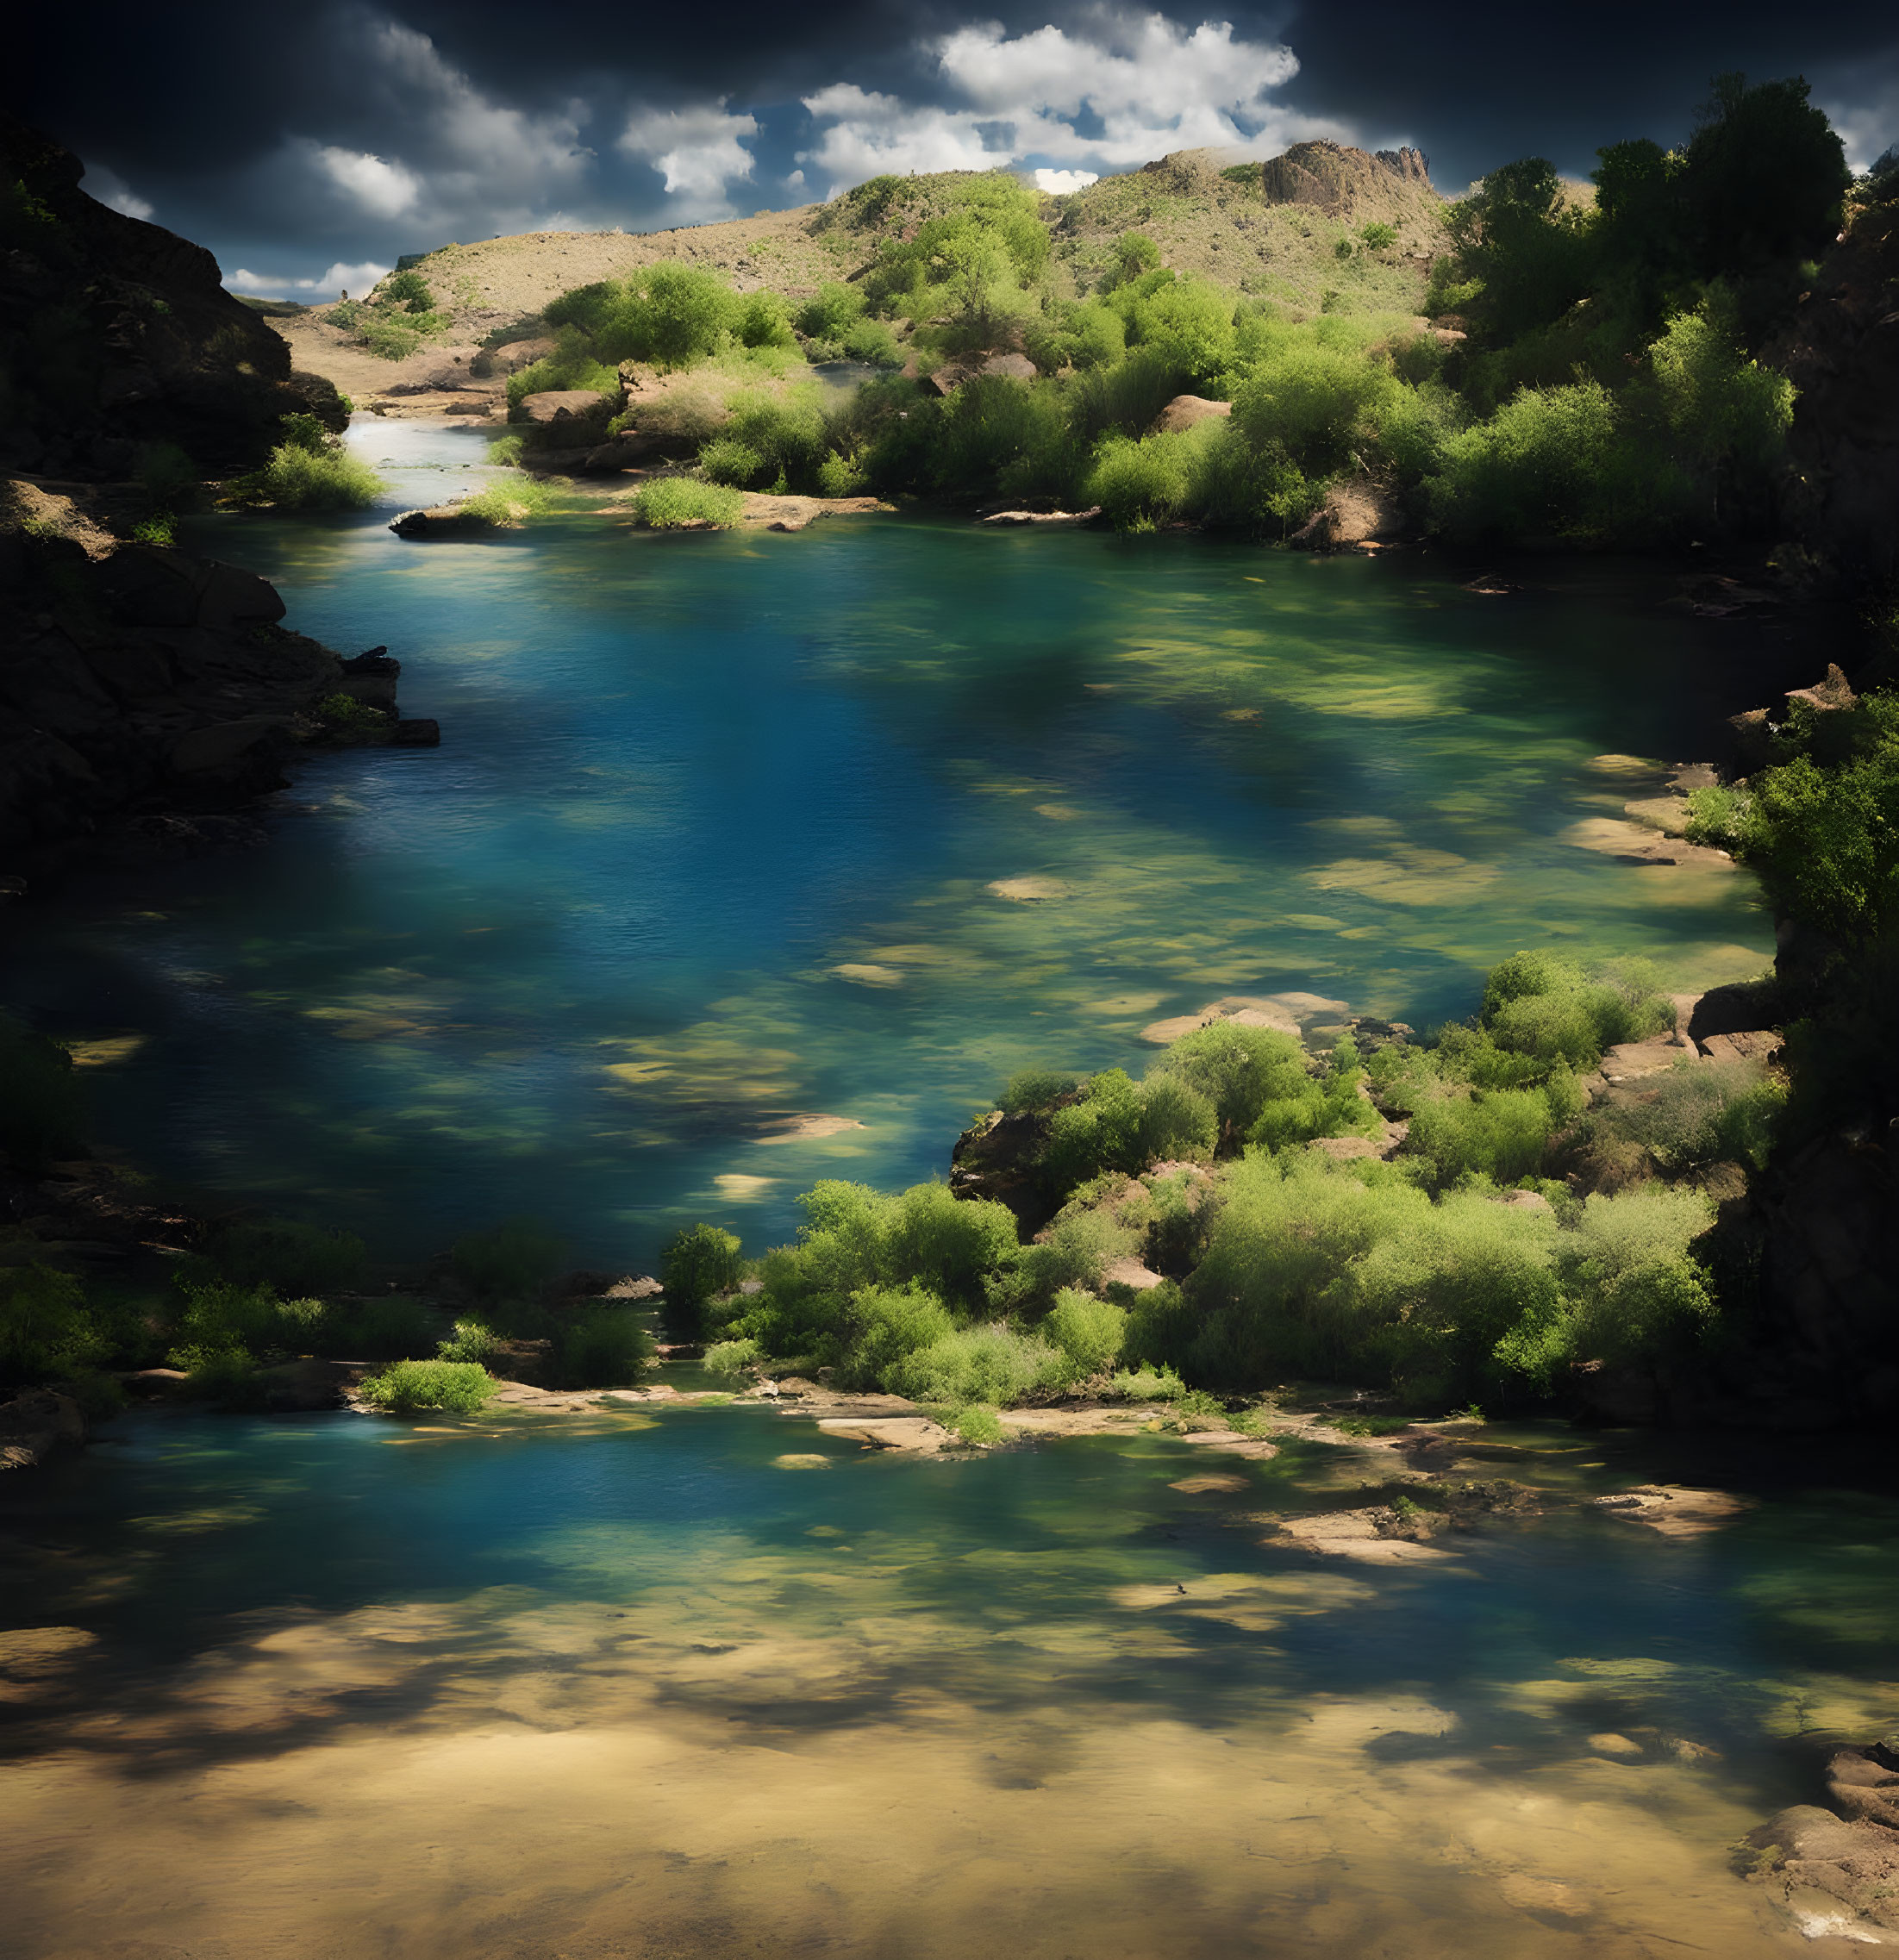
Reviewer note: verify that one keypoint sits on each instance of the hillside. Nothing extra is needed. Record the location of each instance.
(1288, 230)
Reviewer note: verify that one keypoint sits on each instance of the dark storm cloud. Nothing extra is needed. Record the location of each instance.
(320, 139)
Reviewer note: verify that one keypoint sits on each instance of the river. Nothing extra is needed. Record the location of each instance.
(713, 843)
(727, 831)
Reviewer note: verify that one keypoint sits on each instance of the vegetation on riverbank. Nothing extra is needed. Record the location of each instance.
(1447, 1221)
(1576, 371)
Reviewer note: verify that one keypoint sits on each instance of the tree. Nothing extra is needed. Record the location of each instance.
(1528, 251)
(1765, 178)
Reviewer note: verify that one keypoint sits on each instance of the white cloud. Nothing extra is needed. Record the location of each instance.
(698, 151)
(340, 278)
(1060, 183)
(383, 190)
(1140, 85)
(109, 188)
(1864, 106)
(871, 134)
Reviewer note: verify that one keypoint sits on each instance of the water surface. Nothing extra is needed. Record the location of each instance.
(714, 837)
(713, 1684)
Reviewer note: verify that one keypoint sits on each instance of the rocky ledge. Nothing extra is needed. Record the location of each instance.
(146, 693)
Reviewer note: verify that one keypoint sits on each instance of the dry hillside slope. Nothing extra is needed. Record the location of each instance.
(1275, 230)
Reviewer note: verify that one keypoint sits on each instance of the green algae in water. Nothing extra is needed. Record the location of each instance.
(730, 832)
(717, 1685)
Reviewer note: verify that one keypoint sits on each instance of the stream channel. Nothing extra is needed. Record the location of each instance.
(713, 843)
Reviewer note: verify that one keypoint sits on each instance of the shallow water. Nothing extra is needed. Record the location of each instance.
(711, 838)
(710, 1683)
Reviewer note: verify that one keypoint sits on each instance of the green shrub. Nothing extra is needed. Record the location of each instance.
(1087, 1331)
(47, 1330)
(297, 478)
(351, 720)
(831, 312)
(219, 1315)
(979, 1428)
(993, 1364)
(472, 1341)
(697, 1265)
(1101, 1132)
(1552, 462)
(726, 460)
(607, 1347)
(406, 288)
(761, 320)
(509, 1261)
(1498, 1133)
(734, 1360)
(513, 501)
(1239, 1069)
(389, 340)
(227, 1375)
(1149, 1385)
(1141, 484)
(676, 503)
(871, 341)
(457, 1387)
(42, 1108)
(1035, 1089)
(289, 1256)
(1700, 1113)
(949, 1244)
(1176, 1120)
(883, 1324)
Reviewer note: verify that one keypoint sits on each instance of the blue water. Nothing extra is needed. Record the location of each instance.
(712, 840)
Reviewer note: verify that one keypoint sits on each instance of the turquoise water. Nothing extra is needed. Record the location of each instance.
(714, 1683)
(724, 830)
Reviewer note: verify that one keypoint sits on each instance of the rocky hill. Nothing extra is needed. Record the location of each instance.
(117, 335)
(1290, 230)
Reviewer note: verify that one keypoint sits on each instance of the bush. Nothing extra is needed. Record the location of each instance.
(289, 1256)
(726, 460)
(1087, 1331)
(1176, 1120)
(42, 1108)
(46, 1330)
(1149, 1385)
(676, 503)
(884, 1326)
(389, 339)
(697, 1265)
(1035, 1089)
(472, 1341)
(607, 1347)
(980, 1428)
(734, 1360)
(507, 1261)
(457, 1387)
(949, 1244)
(1101, 1132)
(1239, 1069)
(993, 1364)
(297, 478)
(512, 501)
(1549, 463)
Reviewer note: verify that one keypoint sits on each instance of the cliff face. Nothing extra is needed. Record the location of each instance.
(116, 334)
(134, 680)
(1341, 181)
(1842, 353)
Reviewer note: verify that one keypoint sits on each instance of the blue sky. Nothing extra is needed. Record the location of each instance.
(311, 148)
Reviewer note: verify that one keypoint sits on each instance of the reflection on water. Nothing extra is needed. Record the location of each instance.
(727, 830)
(713, 1684)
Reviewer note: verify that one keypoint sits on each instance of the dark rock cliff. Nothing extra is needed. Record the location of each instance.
(115, 334)
(1842, 353)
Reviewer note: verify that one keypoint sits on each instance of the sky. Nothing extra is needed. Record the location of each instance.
(310, 145)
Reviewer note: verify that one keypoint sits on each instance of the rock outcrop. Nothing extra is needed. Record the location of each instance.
(1339, 180)
(1842, 353)
(138, 682)
(117, 335)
